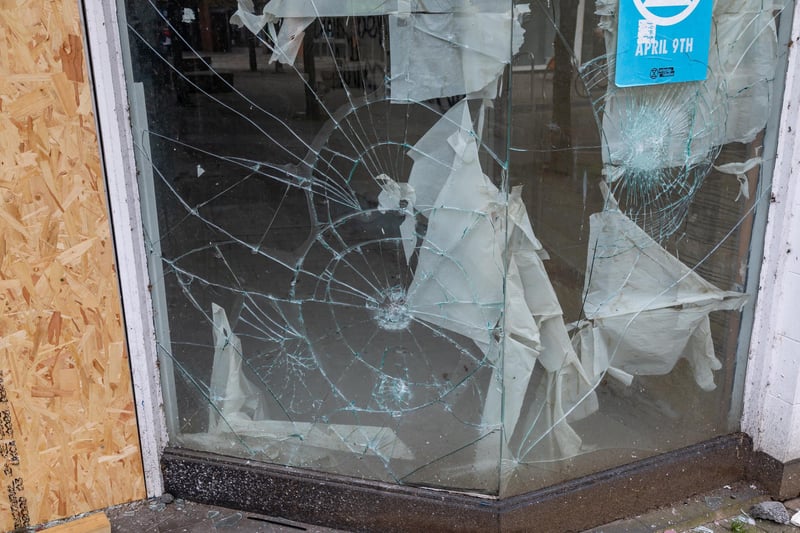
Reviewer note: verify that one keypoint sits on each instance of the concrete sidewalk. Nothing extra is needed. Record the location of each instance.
(720, 510)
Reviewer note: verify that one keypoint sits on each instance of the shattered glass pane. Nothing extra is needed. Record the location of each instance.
(431, 243)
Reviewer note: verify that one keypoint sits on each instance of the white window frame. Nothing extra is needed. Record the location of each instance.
(116, 142)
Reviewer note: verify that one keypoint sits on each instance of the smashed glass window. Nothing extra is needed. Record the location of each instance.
(433, 243)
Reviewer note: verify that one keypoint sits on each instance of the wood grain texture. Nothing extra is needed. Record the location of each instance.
(63, 361)
(96, 523)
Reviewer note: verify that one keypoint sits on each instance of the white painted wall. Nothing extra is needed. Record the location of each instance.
(772, 389)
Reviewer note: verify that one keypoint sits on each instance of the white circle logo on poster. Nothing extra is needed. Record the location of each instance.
(644, 9)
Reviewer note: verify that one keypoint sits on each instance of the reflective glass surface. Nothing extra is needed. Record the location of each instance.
(433, 243)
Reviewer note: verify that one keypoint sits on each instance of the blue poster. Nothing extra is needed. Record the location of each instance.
(662, 41)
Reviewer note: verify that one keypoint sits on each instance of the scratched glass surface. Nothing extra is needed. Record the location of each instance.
(432, 243)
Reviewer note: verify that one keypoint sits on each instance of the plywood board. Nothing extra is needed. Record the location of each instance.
(96, 523)
(68, 435)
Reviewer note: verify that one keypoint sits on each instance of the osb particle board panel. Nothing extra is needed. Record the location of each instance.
(68, 435)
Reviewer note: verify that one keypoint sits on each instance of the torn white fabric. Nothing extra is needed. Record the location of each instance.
(245, 17)
(236, 407)
(232, 396)
(458, 283)
(439, 48)
(740, 170)
(450, 54)
(368, 440)
(743, 63)
(286, 42)
(433, 159)
(188, 15)
(289, 40)
(534, 331)
(301, 442)
(476, 237)
(644, 308)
